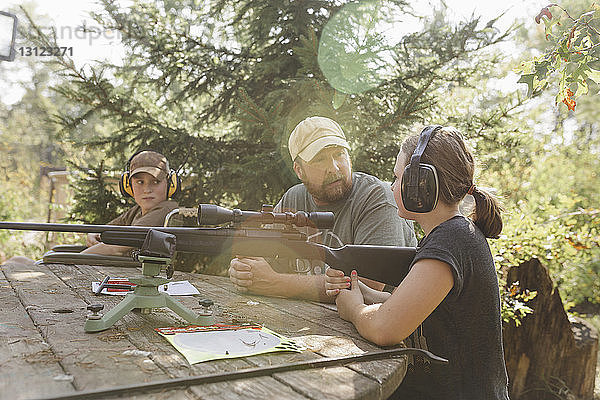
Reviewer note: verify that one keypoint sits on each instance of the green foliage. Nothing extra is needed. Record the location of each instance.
(16, 191)
(95, 202)
(514, 302)
(353, 49)
(548, 176)
(219, 99)
(573, 57)
(568, 244)
(30, 147)
(25, 148)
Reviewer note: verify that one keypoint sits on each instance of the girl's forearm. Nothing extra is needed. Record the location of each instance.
(374, 326)
(364, 319)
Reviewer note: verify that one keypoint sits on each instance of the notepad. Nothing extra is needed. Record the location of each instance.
(213, 342)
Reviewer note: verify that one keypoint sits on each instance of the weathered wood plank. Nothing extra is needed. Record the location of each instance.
(324, 383)
(235, 307)
(307, 318)
(93, 360)
(388, 373)
(163, 354)
(28, 366)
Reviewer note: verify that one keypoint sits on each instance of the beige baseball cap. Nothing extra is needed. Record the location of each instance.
(151, 162)
(313, 135)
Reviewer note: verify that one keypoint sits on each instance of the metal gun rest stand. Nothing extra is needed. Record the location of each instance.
(145, 295)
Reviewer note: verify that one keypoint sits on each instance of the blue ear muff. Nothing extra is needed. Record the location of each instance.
(420, 189)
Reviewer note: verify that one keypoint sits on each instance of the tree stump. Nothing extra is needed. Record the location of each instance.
(548, 353)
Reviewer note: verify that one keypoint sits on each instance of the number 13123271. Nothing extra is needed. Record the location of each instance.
(45, 51)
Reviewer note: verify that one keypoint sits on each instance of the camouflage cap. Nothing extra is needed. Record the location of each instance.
(151, 162)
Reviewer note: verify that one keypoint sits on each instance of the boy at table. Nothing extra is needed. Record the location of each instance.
(151, 183)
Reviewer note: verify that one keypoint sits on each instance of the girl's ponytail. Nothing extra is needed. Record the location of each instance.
(487, 213)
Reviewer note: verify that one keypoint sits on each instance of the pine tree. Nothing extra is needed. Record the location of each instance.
(217, 86)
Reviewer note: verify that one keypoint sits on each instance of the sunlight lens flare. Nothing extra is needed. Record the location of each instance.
(356, 50)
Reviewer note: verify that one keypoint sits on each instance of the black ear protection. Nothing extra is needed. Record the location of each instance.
(173, 180)
(420, 188)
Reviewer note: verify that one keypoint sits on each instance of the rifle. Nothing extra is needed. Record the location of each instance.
(256, 234)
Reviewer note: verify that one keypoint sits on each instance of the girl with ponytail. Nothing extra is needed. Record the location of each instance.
(449, 302)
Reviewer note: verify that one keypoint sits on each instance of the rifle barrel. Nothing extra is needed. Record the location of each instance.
(86, 228)
(39, 226)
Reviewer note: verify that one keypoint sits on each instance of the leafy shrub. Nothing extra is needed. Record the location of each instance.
(566, 242)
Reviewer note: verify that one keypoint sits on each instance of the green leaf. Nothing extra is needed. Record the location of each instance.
(541, 69)
(549, 24)
(525, 67)
(582, 88)
(528, 79)
(594, 75)
(338, 99)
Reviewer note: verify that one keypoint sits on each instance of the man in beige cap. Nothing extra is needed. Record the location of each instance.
(151, 183)
(364, 208)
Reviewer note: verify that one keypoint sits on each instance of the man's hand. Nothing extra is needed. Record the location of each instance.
(349, 302)
(92, 239)
(253, 274)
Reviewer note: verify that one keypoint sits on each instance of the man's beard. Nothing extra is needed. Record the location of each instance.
(324, 194)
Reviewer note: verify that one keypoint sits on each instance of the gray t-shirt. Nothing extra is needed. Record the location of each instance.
(369, 215)
(466, 327)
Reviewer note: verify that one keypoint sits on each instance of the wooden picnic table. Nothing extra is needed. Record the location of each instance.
(45, 352)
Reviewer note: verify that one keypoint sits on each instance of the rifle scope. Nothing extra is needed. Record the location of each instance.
(210, 214)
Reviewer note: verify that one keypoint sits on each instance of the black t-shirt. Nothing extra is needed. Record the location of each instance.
(466, 327)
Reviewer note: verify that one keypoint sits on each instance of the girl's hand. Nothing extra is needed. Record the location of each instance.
(350, 301)
(335, 281)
